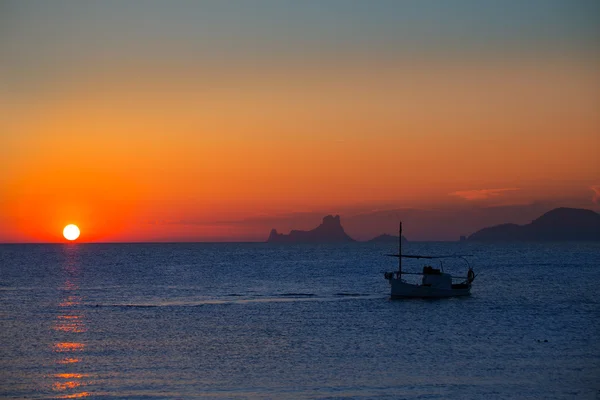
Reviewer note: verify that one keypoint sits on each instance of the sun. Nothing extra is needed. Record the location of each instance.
(71, 232)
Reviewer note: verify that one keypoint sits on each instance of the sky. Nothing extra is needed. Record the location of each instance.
(217, 121)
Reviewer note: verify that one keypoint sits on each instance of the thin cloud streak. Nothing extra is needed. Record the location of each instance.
(481, 194)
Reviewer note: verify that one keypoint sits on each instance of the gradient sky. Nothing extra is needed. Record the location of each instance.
(202, 121)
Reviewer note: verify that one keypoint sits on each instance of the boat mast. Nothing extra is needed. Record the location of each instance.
(400, 250)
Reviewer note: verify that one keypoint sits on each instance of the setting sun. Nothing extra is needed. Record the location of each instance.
(71, 232)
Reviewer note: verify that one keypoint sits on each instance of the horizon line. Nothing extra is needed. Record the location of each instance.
(220, 242)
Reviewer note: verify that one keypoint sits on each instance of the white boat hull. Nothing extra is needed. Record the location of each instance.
(402, 289)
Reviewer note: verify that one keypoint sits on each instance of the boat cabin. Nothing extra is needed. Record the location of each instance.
(433, 277)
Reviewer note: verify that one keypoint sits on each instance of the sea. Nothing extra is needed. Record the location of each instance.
(264, 321)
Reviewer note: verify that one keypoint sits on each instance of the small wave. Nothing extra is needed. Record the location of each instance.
(20, 288)
(125, 305)
(240, 299)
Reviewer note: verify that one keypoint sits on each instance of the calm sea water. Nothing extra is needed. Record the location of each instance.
(260, 321)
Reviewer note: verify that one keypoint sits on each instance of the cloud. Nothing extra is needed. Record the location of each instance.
(481, 194)
(596, 190)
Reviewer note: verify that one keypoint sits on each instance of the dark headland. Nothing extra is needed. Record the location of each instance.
(568, 224)
(330, 231)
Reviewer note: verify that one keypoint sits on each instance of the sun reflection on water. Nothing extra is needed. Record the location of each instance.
(70, 327)
(71, 376)
(70, 324)
(74, 395)
(68, 346)
(70, 301)
(65, 385)
(68, 360)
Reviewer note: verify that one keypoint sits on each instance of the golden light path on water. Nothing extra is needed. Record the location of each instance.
(70, 324)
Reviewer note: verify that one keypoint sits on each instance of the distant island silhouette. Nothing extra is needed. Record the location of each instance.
(568, 224)
(385, 238)
(330, 231)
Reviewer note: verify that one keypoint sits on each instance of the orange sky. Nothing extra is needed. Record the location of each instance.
(168, 150)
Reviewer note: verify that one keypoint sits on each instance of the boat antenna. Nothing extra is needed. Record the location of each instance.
(400, 250)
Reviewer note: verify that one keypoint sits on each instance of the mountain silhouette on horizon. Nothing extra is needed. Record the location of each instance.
(330, 231)
(568, 224)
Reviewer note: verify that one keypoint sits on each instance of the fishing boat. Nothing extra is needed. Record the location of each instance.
(435, 282)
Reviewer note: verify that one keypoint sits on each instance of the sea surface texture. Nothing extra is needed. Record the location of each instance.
(237, 321)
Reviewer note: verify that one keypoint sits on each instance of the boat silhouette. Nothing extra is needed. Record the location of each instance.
(435, 282)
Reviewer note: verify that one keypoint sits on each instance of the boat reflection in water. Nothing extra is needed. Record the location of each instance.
(69, 382)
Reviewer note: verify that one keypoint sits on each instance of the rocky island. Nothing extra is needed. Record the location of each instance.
(330, 231)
